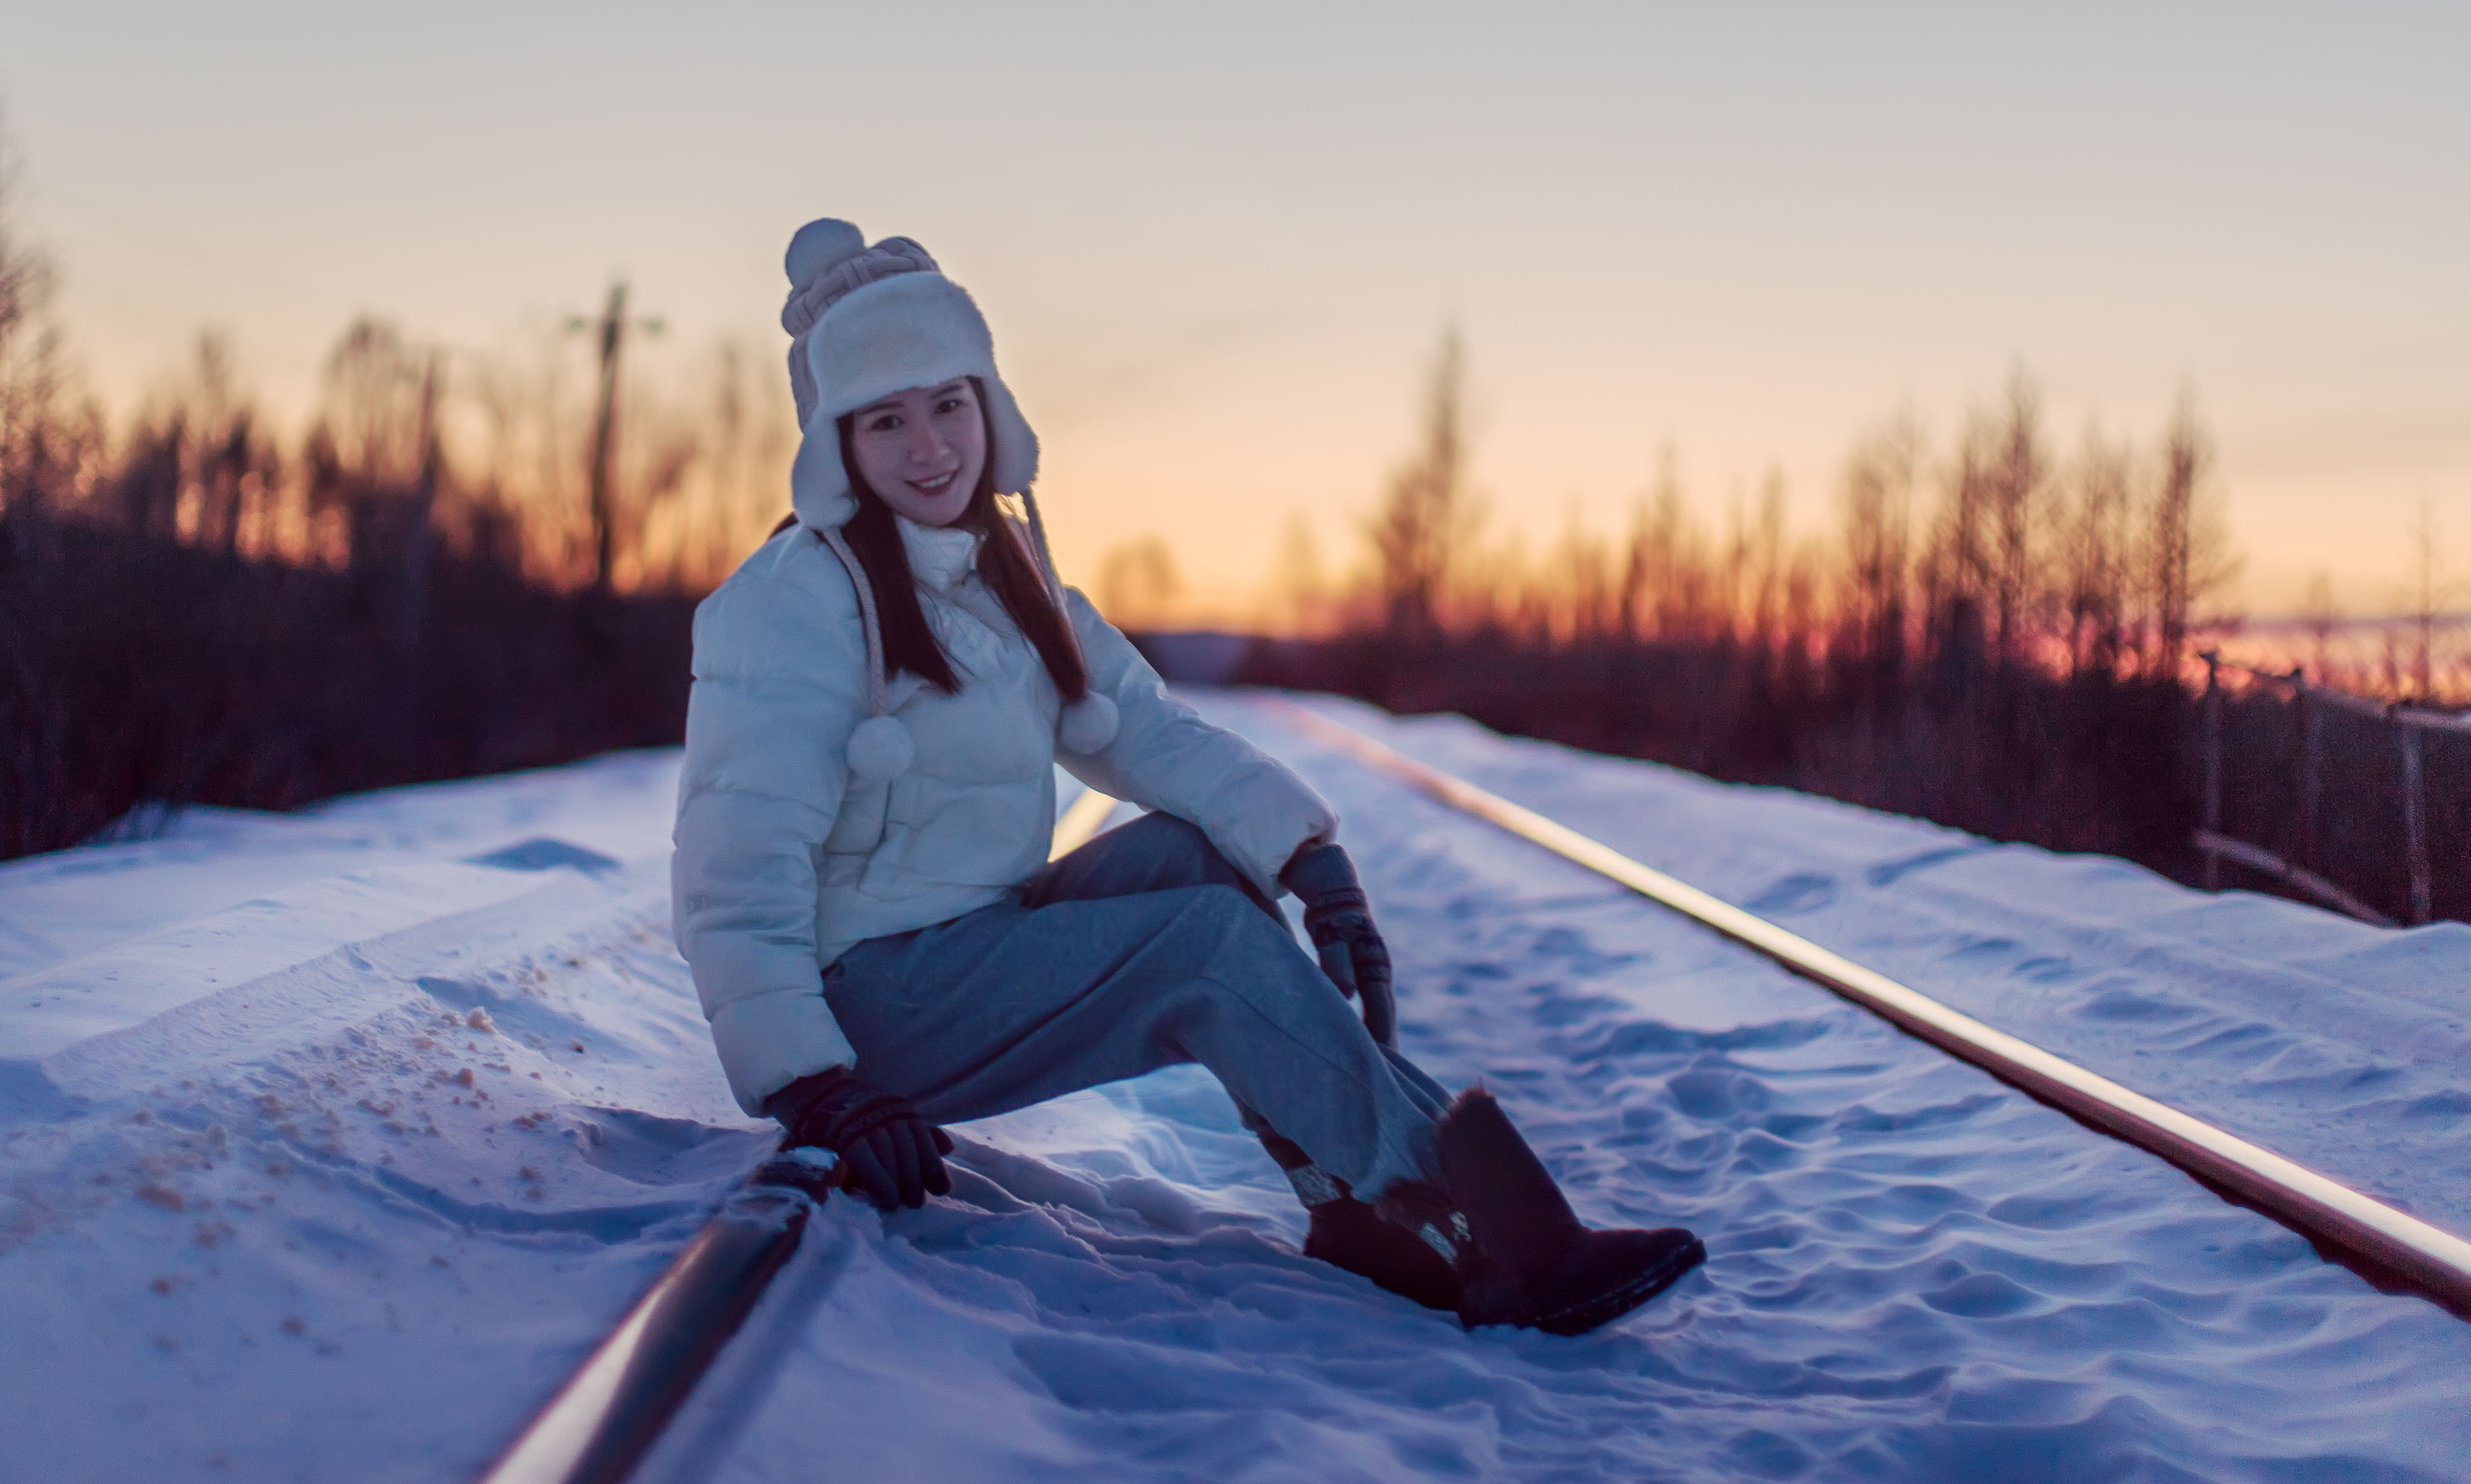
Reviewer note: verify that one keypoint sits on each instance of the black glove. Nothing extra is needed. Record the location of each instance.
(1340, 923)
(885, 1148)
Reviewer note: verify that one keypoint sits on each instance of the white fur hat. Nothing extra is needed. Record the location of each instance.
(865, 322)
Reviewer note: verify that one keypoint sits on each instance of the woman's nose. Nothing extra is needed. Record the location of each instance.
(926, 446)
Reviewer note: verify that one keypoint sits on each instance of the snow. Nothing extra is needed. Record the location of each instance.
(330, 1143)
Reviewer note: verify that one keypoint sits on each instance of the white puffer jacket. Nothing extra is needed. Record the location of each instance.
(786, 860)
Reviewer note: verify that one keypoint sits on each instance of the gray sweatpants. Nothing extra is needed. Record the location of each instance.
(1144, 949)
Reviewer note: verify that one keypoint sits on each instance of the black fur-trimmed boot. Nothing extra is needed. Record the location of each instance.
(1347, 1232)
(1522, 1256)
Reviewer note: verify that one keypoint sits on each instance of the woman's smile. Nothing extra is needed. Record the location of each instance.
(923, 450)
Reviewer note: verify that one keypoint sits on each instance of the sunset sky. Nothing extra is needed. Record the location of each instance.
(1218, 244)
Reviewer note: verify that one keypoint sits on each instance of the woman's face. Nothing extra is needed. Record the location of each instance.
(922, 450)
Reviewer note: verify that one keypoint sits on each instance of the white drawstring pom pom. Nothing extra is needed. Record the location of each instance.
(1088, 724)
(880, 750)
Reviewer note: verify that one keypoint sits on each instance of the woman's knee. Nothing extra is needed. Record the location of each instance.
(1182, 854)
(1177, 850)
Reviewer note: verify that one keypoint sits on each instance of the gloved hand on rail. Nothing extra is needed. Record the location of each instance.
(885, 1148)
(1340, 923)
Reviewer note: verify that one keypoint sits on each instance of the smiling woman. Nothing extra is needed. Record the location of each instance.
(882, 697)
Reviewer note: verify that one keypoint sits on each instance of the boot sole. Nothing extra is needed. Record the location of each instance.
(1604, 1308)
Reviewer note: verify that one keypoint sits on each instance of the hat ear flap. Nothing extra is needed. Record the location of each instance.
(819, 487)
(1013, 458)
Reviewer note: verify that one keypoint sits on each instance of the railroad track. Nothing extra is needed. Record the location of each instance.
(610, 1416)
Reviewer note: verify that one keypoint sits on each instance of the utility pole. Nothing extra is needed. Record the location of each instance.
(613, 326)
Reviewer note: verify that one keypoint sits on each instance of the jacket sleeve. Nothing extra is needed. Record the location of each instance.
(779, 686)
(1166, 758)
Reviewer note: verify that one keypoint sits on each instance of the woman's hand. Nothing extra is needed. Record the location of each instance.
(1340, 923)
(885, 1148)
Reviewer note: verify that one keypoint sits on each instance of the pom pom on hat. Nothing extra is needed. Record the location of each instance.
(882, 750)
(1088, 724)
(818, 245)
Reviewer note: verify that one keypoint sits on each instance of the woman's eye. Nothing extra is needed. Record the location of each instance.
(949, 405)
(884, 424)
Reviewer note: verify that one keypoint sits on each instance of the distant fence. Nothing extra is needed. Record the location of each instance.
(2362, 805)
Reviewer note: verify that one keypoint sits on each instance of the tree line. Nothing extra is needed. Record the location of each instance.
(411, 449)
(195, 607)
(2000, 548)
(1999, 632)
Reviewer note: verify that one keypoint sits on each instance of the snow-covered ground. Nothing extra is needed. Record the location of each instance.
(330, 1143)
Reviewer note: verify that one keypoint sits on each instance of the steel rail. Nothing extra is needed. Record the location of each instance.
(610, 1414)
(2385, 1245)
(612, 1410)
(1074, 827)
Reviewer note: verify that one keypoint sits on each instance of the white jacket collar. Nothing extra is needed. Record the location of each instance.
(941, 557)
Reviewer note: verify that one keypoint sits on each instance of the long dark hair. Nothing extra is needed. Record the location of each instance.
(1004, 565)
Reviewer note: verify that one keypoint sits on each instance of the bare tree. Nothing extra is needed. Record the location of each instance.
(51, 444)
(229, 468)
(1689, 586)
(2094, 557)
(1956, 565)
(25, 276)
(733, 514)
(374, 457)
(664, 448)
(1764, 564)
(2015, 473)
(534, 420)
(2317, 613)
(25, 284)
(1878, 491)
(1800, 618)
(1302, 600)
(702, 473)
(2426, 593)
(1138, 583)
(1652, 600)
(146, 484)
(1729, 579)
(1580, 573)
(2189, 543)
(1631, 589)
(1430, 515)
(369, 414)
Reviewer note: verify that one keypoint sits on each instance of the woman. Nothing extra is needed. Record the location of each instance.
(880, 696)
